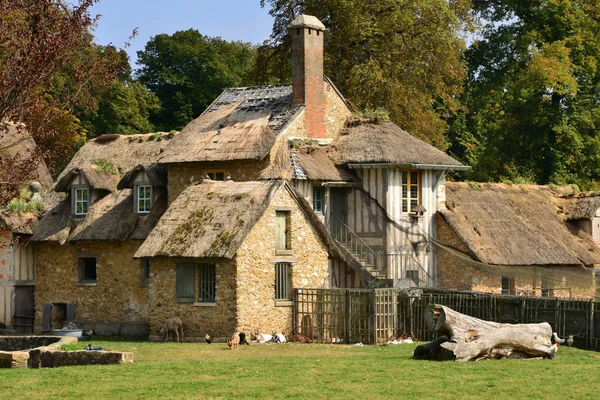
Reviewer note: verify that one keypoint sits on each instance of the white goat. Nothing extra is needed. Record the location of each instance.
(262, 337)
(173, 324)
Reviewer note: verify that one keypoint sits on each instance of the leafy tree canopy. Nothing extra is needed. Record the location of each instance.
(403, 56)
(188, 70)
(533, 93)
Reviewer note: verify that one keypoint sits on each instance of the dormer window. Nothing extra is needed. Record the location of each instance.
(81, 196)
(143, 199)
(215, 174)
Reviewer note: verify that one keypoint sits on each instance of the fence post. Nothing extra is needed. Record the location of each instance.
(347, 318)
(373, 318)
(295, 312)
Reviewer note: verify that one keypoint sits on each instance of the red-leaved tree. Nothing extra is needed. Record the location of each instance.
(42, 41)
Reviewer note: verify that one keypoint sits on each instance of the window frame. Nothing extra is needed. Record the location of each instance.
(406, 190)
(283, 283)
(283, 245)
(145, 270)
(74, 190)
(180, 270)
(207, 283)
(508, 286)
(318, 201)
(410, 275)
(83, 278)
(137, 199)
(546, 286)
(212, 173)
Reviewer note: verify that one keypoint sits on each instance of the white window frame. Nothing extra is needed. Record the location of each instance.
(76, 201)
(138, 198)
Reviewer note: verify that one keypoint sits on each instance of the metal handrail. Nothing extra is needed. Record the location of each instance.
(354, 244)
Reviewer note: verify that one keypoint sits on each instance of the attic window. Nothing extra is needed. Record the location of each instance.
(215, 174)
(318, 200)
(283, 236)
(143, 201)
(81, 197)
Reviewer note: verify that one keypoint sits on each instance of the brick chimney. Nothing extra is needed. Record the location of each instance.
(307, 72)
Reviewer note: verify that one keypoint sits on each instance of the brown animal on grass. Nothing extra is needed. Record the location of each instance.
(297, 337)
(173, 324)
(234, 341)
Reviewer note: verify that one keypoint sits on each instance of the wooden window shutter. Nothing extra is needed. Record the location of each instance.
(281, 238)
(185, 283)
(47, 317)
(70, 312)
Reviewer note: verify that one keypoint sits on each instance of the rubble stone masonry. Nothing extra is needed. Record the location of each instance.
(117, 297)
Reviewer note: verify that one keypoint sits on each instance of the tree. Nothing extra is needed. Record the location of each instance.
(38, 39)
(403, 56)
(533, 93)
(187, 70)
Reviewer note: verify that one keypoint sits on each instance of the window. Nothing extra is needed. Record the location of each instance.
(318, 199)
(414, 275)
(143, 199)
(145, 270)
(207, 283)
(283, 282)
(411, 193)
(88, 269)
(81, 200)
(216, 174)
(283, 236)
(186, 283)
(508, 285)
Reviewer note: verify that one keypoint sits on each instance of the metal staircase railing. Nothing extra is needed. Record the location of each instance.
(370, 259)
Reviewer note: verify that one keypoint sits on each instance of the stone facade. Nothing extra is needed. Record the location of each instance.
(181, 175)
(336, 113)
(256, 260)
(245, 285)
(117, 299)
(218, 320)
(453, 273)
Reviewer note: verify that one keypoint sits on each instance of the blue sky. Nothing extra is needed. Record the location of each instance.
(230, 19)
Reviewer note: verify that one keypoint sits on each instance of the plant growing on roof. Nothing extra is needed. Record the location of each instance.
(103, 165)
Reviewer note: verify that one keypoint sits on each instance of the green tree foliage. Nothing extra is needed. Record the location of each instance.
(403, 56)
(187, 70)
(533, 93)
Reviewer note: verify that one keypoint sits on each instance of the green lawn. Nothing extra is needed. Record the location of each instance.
(199, 370)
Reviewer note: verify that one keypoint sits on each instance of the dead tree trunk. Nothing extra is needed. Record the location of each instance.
(472, 339)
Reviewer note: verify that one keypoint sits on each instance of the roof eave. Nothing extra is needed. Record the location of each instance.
(438, 167)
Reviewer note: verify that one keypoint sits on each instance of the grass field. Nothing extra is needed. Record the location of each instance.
(202, 371)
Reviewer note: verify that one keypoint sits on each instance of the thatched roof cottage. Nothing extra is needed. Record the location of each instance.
(513, 239)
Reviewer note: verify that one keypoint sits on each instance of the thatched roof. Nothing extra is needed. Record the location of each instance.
(582, 206)
(16, 142)
(157, 175)
(315, 163)
(110, 218)
(385, 142)
(125, 152)
(515, 225)
(103, 180)
(210, 219)
(23, 224)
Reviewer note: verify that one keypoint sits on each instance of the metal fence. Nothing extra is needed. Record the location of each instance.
(374, 315)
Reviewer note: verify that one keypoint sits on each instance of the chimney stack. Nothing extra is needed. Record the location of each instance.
(307, 72)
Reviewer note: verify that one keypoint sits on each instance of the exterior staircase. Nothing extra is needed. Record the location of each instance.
(356, 253)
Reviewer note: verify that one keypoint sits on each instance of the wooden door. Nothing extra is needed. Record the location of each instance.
(24, 309)
(339, 210)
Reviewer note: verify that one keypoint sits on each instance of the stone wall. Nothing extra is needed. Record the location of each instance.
(454, 273)
(337, 112)
(256, 260)
(181, 175)
(218, 320)
(117, 297)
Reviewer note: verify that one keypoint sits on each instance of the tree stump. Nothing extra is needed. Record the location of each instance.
(472, 339)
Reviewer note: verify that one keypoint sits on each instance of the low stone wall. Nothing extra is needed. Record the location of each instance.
(14, 350)
(52, 359)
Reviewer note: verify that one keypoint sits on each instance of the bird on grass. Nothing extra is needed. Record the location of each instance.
(556, 339)
(570, 340)
(208, 338)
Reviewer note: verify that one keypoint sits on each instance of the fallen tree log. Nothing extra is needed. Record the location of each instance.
(472, 339)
